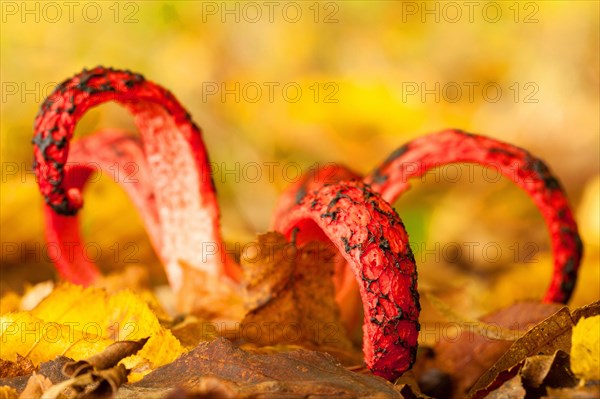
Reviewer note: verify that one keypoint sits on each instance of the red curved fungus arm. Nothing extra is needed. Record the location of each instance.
(315, 178)
(167, 175)
(120, 156)
(346, 290)
(371, 237)
(183, 189)
(525, 170)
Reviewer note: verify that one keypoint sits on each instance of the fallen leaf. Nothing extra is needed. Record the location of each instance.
(300, 373)
(536, 375)
(39, 340)
(80, 322)
(7, 392)
(352, 359)
(465, 355)
(409, 392)
(107, 382)
(192, 330)
(267, 267)
(207, 387)
(209, 296)
(10, 302)
(541, 371)
(585, 350)
(291, 295)
(490, 331)
(108, 358)
(95, 384)
(511, 389)
(137, 279)
(22, 366)
(51, 370)
(593, 309)
(552, 334)
(36, 386)
(408, 386)
(36, 294)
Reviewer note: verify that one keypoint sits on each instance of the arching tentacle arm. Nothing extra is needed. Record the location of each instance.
(371, 237)
(528, 172)
(312, 180)
(120, 156)
(347, 295)
(174, 151)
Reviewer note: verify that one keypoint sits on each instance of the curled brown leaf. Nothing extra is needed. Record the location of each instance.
(108, 358)
(552, 334)
(93, 384)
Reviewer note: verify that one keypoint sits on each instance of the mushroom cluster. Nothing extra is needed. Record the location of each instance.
(175, 195)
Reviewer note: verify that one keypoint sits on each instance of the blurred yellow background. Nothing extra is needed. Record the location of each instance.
(351, 82)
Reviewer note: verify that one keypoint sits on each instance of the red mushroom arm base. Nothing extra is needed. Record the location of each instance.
(175, 156)
(370, 235)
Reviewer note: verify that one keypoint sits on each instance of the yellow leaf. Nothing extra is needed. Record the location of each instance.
(7, 392)
(9, 303)
(40, 341)
(111, 317)
(585, 348)
(35, 294)
(120, 316)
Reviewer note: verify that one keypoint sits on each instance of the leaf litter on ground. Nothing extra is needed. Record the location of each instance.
(292, 290)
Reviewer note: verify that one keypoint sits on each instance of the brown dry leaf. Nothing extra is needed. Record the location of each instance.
(491, 331)
(209, 296)
(107, 382)
(349, 358)
(410, 392)
(36, 386)
(192, 330)
(536, 376)
(511, 389)
(267, 267)
(22, 366)
(108, 358)
(299, 373)
(95, 384)
(464, 355)
(593, 309)
(552, 334)
(51, 370)
(291, 295)
(547, 344)
(208, 387)
(541, 371)
(408, 386)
